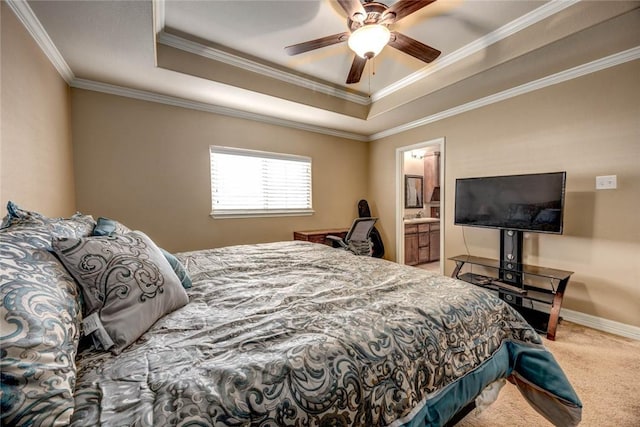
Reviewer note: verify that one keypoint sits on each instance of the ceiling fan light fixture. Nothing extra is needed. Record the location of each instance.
(368, 40)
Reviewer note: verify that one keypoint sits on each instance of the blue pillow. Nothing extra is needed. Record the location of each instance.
(109, 227)
(180, 271)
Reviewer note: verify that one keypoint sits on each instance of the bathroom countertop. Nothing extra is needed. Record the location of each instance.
(421, 220)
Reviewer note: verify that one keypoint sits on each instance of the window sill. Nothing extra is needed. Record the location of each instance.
(260, 213)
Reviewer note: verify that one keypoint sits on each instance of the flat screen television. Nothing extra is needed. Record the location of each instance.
(530, 202)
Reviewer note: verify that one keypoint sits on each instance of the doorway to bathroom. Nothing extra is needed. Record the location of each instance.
(420, 204)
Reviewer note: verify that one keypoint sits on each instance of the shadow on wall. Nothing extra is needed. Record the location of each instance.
(577, 297)
(579, 208)
(585, 296)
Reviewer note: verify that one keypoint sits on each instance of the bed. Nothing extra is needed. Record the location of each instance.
(283, 333)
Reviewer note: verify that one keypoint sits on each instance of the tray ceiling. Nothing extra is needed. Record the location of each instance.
(228, 56)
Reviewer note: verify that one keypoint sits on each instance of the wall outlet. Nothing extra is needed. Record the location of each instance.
(606, 182)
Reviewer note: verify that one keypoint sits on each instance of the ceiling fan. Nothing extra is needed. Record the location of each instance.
(369, 33)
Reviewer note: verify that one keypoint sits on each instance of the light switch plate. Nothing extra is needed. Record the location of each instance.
(606, 182)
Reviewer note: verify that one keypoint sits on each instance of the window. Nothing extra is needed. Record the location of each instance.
(257, 183)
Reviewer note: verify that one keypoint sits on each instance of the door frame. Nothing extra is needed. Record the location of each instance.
(440, 142)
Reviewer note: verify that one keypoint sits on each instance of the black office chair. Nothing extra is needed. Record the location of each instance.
(376, 239)
(357, 239)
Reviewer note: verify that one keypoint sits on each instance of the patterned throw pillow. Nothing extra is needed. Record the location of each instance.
(110, 227)
(126, 280)
(39, 319)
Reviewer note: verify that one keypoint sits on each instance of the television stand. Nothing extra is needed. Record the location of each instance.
(540, 285)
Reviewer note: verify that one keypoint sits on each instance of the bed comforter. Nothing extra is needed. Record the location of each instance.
(295, 333)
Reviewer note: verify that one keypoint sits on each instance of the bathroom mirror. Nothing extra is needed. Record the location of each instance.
(413, 191)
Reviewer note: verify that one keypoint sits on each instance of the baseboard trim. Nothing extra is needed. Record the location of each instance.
(601, 324)
(593, 322)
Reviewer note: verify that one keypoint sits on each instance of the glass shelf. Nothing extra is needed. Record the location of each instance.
(532, 270)
(514, 294)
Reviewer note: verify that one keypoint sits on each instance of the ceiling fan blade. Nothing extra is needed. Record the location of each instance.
(403, 8)
(357, 67)
(316, 44)
(413, 47)
(353, 7)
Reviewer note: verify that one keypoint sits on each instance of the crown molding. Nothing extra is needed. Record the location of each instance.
(244, 63)
(531, 18)
(34, 27)
(563, 76)
(209, 108)
(29, 20)
(256, 67)
(158, 7)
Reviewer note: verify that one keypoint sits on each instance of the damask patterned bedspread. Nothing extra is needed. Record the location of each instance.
(294, 333)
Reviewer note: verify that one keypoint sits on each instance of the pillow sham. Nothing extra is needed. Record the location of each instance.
(16, 215)
(39, 320)
(109, 227)
(39, 227)
(126, 282)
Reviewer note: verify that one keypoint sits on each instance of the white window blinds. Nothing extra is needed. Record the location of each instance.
(258, 183)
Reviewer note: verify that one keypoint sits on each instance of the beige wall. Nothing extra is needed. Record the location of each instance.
(36, 165)
(587, 126)
(147, 165)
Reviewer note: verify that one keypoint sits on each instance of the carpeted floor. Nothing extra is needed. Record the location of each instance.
(604, 370)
